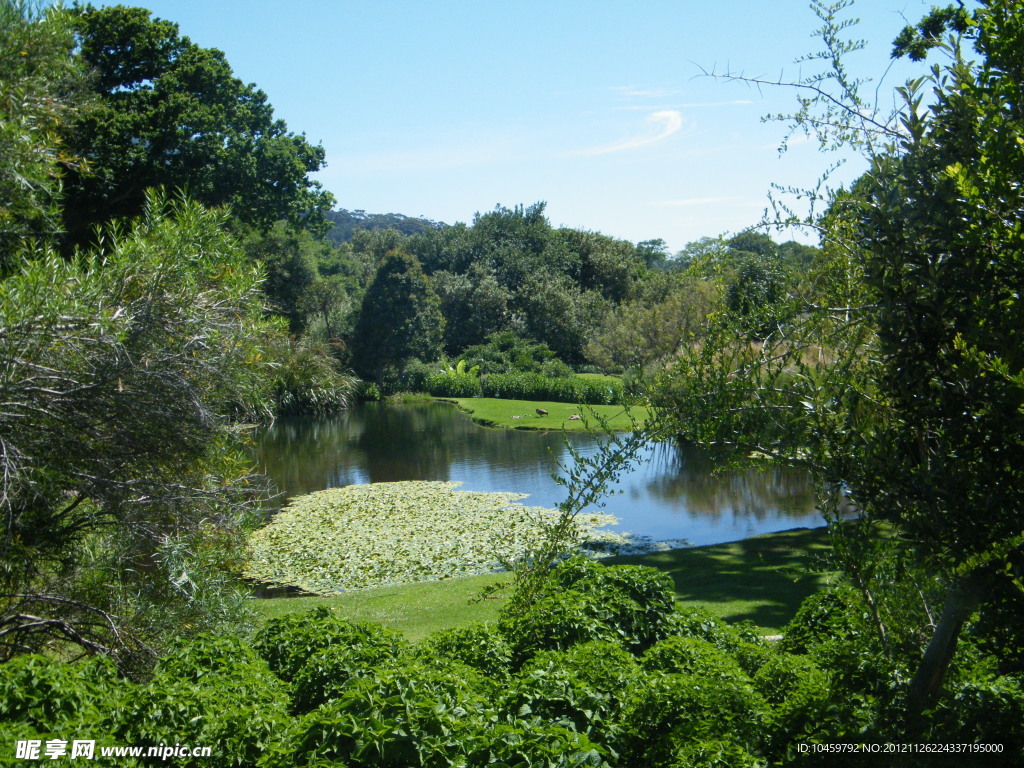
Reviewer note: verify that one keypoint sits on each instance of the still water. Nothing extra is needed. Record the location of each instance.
(671, 494)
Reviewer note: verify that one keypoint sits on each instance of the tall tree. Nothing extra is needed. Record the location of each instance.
(170, 113)
(400, 318)
(904, 386)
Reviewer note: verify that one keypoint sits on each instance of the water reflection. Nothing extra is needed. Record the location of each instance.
(672, 494)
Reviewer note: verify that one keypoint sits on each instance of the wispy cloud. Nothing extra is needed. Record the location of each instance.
(692, 201)
(661, 125)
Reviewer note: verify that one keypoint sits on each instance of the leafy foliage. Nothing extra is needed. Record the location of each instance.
(169, 113)
(393, 533)
(400, 318)
(117, 367)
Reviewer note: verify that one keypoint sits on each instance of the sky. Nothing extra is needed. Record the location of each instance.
(444, 108)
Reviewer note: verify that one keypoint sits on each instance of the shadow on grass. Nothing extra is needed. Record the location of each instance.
(763, 579)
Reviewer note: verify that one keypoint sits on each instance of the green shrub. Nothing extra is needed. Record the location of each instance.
(581, 688)
(714, 753)
(524, 743)
(797, 692)
(480, 646)
(644, 597)
(986, 710)
(453, 385)
(214, 692)
(41, 696)
(534, 386)
(327, 674)
(670, 711)
(415, 374)
(693, 656)
(823, 617)
(288, 642)
(416, 713)
(561, 620)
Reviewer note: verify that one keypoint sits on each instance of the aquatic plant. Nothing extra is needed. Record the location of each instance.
(393, 533)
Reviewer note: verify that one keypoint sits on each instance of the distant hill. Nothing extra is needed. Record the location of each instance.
(347, 222)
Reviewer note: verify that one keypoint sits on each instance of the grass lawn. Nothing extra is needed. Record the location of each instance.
(763, 579)
(522, 414)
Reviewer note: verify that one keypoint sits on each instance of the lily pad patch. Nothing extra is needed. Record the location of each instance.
(364, 536)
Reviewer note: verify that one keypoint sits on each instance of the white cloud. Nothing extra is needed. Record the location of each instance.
(661, 124)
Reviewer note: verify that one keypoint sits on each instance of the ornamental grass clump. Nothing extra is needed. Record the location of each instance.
(396, 533)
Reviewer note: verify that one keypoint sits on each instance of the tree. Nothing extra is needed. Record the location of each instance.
(169, 113)
(120, 494)
(400, 318)
(39, 89)
(904, 386)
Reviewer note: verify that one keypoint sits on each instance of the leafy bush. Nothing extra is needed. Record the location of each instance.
(627, 605)
(415, 374)
(561, 620)
(534, 386)
(326, 674)
(453, 385)
(670, 711)
(412, 714)
(581, 688)
(480, 646)
(715, 753)
(797, 692)
(215, 691)
(822, 617)
(648, 594)
(506, 352)
(534, 742)
(693, 656)
(988, 709)
(288, 642)
(39, 695)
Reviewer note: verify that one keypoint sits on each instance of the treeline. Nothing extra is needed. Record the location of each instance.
(593, 302)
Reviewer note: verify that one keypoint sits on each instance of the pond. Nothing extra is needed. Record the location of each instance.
(671, 494)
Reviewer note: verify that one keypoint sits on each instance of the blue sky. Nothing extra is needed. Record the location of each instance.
(443, 108)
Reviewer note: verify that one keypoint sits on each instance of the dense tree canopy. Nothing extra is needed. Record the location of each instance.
(170, 113)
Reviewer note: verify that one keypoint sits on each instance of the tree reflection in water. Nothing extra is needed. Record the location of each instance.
(673, 493)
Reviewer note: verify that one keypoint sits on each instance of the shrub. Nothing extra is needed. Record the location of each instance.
(480, 646)
(644, 597)
(453, 385)
(672, 710)
(534, 386)
(534, 742)
(797, 692)
(415, 374)
(409, 714)
(561, 620)
(581, 688)
(693, 656)
(327, 674)
(714, 753)
(214, 691)
(39, 695)
(288, 642)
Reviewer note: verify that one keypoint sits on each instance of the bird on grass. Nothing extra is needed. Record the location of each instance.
(541, 412)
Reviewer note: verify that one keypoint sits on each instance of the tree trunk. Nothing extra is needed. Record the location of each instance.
(960, 603)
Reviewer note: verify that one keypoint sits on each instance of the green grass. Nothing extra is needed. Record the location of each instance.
(415, 610)
(598, 377)
(763, 579)
(522, 414)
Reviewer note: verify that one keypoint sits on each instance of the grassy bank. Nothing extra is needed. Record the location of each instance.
(522, 414)
(763, 579)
